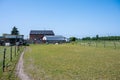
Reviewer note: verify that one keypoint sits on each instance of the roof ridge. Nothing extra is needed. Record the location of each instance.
(42, 32)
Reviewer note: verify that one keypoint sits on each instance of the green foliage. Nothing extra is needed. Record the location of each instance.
(15, 31)
(102, 38)
(110, 38)
(73, 38)
(86, 38)
(97, 37)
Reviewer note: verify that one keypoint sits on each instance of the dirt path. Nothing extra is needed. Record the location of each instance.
(20, 71)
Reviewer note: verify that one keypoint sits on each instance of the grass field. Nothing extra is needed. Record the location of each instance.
(72, 62)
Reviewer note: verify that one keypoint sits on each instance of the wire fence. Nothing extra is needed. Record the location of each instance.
(105, 44)
(8, 56)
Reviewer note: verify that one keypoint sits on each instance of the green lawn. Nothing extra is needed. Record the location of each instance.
(72, 62)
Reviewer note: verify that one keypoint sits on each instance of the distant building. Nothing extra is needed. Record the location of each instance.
(36, 36)
(1, 40)
(54, 39)
(12, 39)
(1, 37)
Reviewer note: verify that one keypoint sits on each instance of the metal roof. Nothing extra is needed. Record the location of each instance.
(54, 38)
(13, 36)
(1, 36)
(44, 32)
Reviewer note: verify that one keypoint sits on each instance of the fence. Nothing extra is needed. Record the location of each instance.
(8, 56)
(105, 44)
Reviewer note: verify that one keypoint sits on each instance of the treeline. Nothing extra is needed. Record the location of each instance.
(102, 38)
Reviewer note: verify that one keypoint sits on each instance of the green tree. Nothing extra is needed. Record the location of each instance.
(97, 37)
(73, 38)
(15, 31)
(86, 38)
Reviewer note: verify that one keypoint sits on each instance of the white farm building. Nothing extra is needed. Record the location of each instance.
(54, 39)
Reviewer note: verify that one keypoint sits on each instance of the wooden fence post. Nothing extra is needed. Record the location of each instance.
(15, 50)
(11, 53)
(114, 45)
(104, 44)
(96, 43)
(4, 59)
(89, 43)
(20, 48)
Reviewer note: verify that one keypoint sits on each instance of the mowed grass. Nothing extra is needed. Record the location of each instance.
(72, 62)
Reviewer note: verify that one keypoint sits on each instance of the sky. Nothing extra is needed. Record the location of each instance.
(79, 18)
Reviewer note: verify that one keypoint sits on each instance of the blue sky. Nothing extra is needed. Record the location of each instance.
(78, 18)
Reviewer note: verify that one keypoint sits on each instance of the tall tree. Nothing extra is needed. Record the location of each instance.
(15, 31)
(97, 37)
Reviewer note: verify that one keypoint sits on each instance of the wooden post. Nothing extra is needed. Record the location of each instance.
(15, 50)
(11, 53)
(4, 59)
(18, 50)
(114, 45)
(104, 44)
(96, 44)
(89, 43)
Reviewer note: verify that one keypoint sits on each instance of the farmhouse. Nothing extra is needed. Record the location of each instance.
(54, 39)
(36, 36)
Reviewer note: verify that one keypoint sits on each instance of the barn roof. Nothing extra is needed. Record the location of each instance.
(44, 32)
